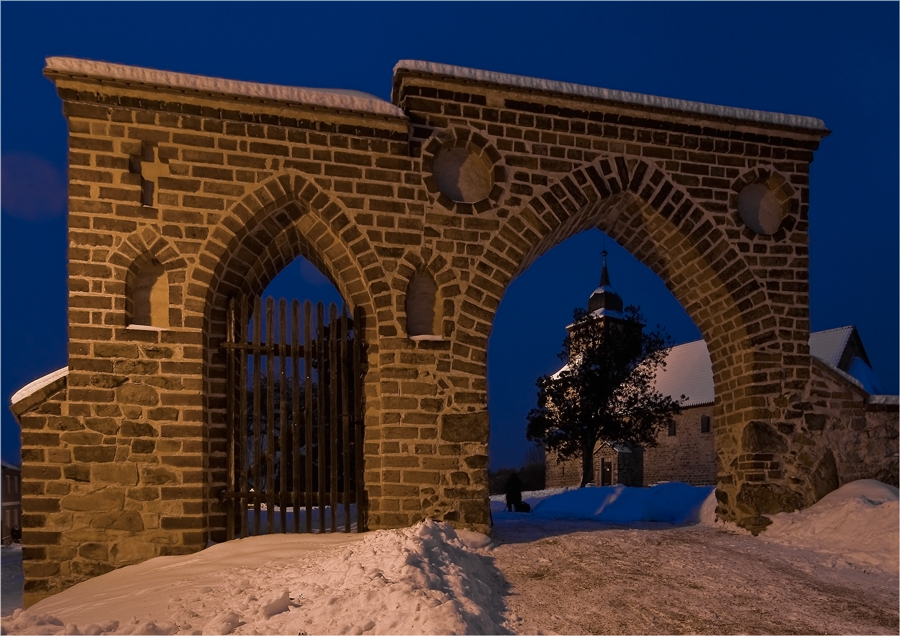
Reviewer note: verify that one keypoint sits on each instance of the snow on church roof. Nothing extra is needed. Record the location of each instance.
(829, 345)
(328, 98)
(650, 101)
(688, 372)
(689, 368)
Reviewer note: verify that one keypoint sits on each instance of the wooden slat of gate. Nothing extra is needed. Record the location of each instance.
(231, 480)
(285, 437)
(333, 400)
(295, 410)
(308, 412)
(240, 455)
(320, 404)
(338, 430)
(346, 371)
(358, 330)
(257, 411)
(270, 419)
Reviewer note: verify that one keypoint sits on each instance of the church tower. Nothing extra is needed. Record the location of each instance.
(605, 303)
(606, 306)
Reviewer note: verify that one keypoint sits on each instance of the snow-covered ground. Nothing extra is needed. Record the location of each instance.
(11, 562)
(597, 560)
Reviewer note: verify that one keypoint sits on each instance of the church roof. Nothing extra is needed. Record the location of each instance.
(688, 369)
(688, 372)
(830, 344)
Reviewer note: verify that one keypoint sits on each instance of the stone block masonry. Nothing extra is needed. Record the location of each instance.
(210, 191)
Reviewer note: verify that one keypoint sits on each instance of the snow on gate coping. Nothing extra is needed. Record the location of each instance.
(365, 102)
(639, 99)
(328, 98)
(33, 387)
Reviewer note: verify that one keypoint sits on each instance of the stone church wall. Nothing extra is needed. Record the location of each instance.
(688, 455)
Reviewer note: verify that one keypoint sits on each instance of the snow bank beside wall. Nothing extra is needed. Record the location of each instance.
(420, 580)
(858, 524)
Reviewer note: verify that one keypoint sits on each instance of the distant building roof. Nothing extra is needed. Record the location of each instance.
(688, 372)
(688, 369)
(828, 346)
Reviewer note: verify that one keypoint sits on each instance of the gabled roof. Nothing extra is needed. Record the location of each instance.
(828, 346)
(689, 369)
(688, 372)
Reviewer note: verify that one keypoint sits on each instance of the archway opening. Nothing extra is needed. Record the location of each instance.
(527, 336)
(294, 413)
(303, 280)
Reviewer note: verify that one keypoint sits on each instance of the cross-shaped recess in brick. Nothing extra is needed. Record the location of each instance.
(151, 168)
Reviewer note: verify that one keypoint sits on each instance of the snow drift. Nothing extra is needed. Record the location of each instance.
(857, 524)
(419, 580)
(432, 579)
(672, 502)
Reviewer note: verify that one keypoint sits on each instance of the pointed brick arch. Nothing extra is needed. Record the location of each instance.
(284, 217)
(252, 242)
(637, 204)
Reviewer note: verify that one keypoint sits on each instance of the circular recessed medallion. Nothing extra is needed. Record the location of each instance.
(760, 209)
(461, 175)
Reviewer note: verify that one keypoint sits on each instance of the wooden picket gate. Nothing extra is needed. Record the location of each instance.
(295, 418)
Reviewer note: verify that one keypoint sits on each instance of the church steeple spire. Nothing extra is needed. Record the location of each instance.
(604, 275)
(605, 301)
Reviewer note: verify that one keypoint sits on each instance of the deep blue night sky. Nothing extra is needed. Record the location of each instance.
(834, 61)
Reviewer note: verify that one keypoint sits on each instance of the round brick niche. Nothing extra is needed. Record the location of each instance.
(760, 209)
(461, 175)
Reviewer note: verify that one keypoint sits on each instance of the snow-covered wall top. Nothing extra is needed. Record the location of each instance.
(328, 98)
(651, 101)
(37, 385)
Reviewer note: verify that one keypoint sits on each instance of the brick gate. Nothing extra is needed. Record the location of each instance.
(185, 191)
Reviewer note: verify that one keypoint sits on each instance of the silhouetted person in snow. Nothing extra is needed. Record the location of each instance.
(513, 493)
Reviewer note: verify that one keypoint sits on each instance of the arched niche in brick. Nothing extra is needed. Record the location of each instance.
(151, 275)
(635, 203)
(147, 293)
(297, 219)
(423, 307)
